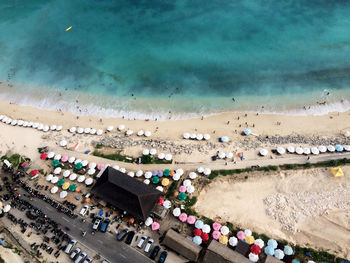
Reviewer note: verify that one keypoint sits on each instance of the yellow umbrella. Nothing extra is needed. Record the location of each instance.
(165, 182)
(337, 172)
(223, 240)
(250, 240)
(65, 186)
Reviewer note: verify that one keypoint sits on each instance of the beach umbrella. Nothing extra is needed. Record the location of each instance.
(207, 171)
(279, 254)
(166, 172)
(129, 132)
(46, 128)
(205, 237)
(306, 151)
(64, 158)
(224, 139)
(168, 157)
(248, 232)
(60, 182)
(148, 133)
(116, 167)
(229, 155)
(7, 208)
(34, 173)
(176, 177)
(206, 228)
(314, 150)
(81, 178)
(100, 166)
(155, 226)
(154, 173)
(49, 177)
(200, 170)
(197, 232)
(199, 224)
(121, 127)
(288, 250)
(66, 173)
(149, 221)
(233, 241)
(182, 196)
(167, 204)
(89, 181)
(139, 173)
(299, 150)
(182, 189)
(339, 148)
(186, 135)
(281, 150)
(192, 175)
(221, 155)
(131, 174)
(193, 136)
(72, 177)
(63, 194)
(20, 122)
(186, 182)
(190, 189)
(259, 242)
(253, 257)
(77, 161)
(197, 240)
(206, 136)
(224, 230)
(80, 130)
(347, 148)
(272, 243)
(330, 148)
(322, 148)
(146, 181)
(25, 124)
(140, 133)
(65, 185)
(177, 212)
(73, 129)
(99, 132)
(290, 149)
(247, 131)
(250, 240)
(71, 159)
(55, 163)
(78, 166)
(58, 128)
(191, 220)
(161, 156)
(165, 182)
(172, 173)
(269, 250)
(180, 171)
(72, 187)
(91, 171)
(92, 165)
(84, 163)
(43, 156)
(63, 143)
(57, 170)
(93, 131)
(50, 155)
(223, 240)
(54, 179)
(110, 128)
(217, 226)
(145, 152)
(155, 179)
(263, 152)
(183, 217)
(54, 190)
(148, 175)
(57, 157)
(199, 137)
(240, 235)
(216, 234)
(153, 152)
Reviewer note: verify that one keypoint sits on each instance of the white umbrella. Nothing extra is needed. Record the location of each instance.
(66, 173)
(54, 179)
(77, 161)
(99, 132)
(123, 170)
(53, 127)
(7, 208)
(73, 129)
(259, 242)
(30, 124)
(263, 152)
(225, 139)
(290, 149)
(224, 230)
(314, 150)
(8, 121)
(146, 181)
(253, 258)
(89, 181)
(281, 150)
(71, 159)
(180, 171)
(149, 221)
(200, 170)
(72, 177)
(58, 128)
(176, 177)
(50, 155)
(49, 177)
(168, 157)
(80, 130)
(148, 133)
(206, 136)
(229, 155)
(139, 173)
(81, 178)
(116, 167)
(84, 163)
(148, 175)
(145, 152)
(57, 170)
(121, 127)
(299, 150)
(167, 204)
(206, 229)
(193, 136)
(248, 232)
(187, 182)
(160, 188)
(322, 148)
(347, 148)
(186, 135)
(153, 152)
(207, 171)
(199, 137)
(92, 165)
(279, 254)
(63, 194)
(91, 171)
(221, 155)
(87, 130)
(131, 174)
(233, 241)
(92, 131)
(46, 128)
(54, 190)
(63, 143)
(129, 132)
(20, 123)
(161, 156)
(192, 175)
(57, 157)
(176, 212)
(14, 122)
(330, 148)
(110, 128)
(306, 151)
(25, 124)
(1, 117)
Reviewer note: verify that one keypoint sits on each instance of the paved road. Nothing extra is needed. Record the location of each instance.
(105, 244)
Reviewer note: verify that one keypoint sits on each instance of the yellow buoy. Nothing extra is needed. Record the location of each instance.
(68, 28)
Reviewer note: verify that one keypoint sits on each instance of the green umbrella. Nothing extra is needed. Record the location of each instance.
(55, 163)
(72, 187)
(78, 166)
(182, 196)
(166, 172)
(155, 179)
(60, 182)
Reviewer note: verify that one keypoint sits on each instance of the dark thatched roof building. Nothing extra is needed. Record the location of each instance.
(271, 259)
(218, 253)
(126, 193)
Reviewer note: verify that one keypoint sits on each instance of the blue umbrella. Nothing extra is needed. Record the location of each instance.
(247, 131)
(288, 250)
(154, 173)
(224, 139)
(339, 148)
(272, 243)
(269, 250)
(2, 242)
(101, 212)
(199, 224)
(197, 240)
(160, 173)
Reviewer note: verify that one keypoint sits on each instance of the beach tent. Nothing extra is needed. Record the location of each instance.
(224, 139)
(186, 135)
(247, 131)
(337, 172)
(121, 127)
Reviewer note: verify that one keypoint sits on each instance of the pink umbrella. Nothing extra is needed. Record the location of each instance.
(182, 189)
(216, 226)
(155, 226)
(216, 234)
(183, 217)
(100, 166)
(240, 235)
(64, 158)
(191, 220)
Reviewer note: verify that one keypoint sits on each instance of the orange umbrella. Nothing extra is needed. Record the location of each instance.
(87, 200)
(239, 155)
(77, 189)
(176, 193)
(131, 220)
(172, 173)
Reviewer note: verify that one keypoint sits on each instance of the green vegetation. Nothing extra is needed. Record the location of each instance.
(115, 156)
(2, 260)
(99, 146)
(172, 188)
(190, 201)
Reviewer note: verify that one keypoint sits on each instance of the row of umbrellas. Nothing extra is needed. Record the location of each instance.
(222, 155)
(307, 151)
(186, 187)
(35, 125)
(139, 133)
(205, 171)
(81, 130)
(161, 156)
(149, 152)
(54, 179)
(194, 136)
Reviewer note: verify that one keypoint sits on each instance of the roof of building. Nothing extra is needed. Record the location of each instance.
(218, 253)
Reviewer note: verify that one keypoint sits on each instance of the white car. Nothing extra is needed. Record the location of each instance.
(88, 260)
(80, 258)
(84, 210)
(141, 241)
(75, 253)
(96, 223)
(149, 244)
(70, 245)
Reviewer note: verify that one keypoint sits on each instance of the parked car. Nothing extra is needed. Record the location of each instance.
(129, 237)
(84, 210)
(70, 245)
(81, 257)
(104, 225)
(148, 245)
(122, 234)
(105, 261)
(75, 253)
(162, 257)
(141, 241)
(97, 223)
(154, 252)
(87, 260)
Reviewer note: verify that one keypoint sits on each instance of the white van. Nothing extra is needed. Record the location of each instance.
(149, 244)
(84, 210)
(70, 245)
(75, 253)
(81, 257)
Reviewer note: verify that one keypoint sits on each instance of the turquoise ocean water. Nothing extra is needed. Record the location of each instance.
(189, 57)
